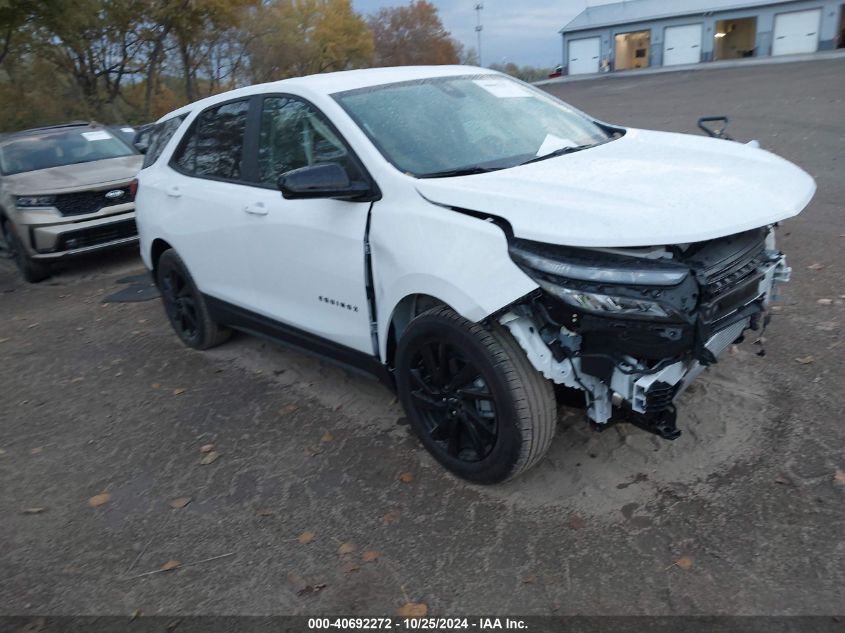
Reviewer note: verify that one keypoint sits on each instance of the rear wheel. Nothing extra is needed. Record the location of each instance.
(472, 397)
(33, 271)
(185, 306)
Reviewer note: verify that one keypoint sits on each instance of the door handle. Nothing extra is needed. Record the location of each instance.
(256, 209)
(173, 191)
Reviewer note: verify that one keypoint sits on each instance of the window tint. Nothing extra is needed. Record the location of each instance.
(214, 144)
(293, 135)
(158, 137)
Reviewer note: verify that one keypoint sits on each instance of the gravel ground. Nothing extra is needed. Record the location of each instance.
(101, 398)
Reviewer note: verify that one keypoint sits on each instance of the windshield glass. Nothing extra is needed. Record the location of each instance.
(54, 148)
(447, 125)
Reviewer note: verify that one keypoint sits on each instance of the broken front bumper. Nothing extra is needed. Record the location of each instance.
(647, 388)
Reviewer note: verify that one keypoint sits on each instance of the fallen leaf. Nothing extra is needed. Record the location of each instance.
(135, 615)
(327, 437)
(180, 502)
(311, 451)
(209, 458)
(369, 556)
(306, 537)
(264, 512)
(391, 517)
(349, 567)
(815, 266)
(576, 522)
(684, 562)
(290, 408)
(155, 385)
(406, 478)
(839, 476)
(97, 500)
(206, 448)
(179, 392)
(782, 480)
(528, 580)
(412, 610)
(5, 340)
(36, 450)
(347, 548)
(169, 565)
(805, 360)
(825, 302)
(33, 510)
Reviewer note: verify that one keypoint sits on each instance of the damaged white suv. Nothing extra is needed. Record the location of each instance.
(470, 239)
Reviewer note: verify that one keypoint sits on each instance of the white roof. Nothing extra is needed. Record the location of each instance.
(641, 10)
(331, 83)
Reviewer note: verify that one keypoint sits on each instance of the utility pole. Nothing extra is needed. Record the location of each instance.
(478, 28)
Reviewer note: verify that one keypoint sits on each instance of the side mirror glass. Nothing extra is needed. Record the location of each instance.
(328, 180)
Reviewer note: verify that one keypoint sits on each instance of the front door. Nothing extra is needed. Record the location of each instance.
(307, 256)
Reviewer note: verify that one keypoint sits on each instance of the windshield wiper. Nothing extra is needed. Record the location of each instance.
(560, 152)
(461, 171)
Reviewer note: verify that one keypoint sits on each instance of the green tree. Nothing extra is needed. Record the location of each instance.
(411, 35)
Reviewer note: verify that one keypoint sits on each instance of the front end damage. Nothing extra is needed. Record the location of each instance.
(632, 327)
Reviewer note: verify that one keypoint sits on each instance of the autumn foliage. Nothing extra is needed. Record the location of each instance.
(134, 60)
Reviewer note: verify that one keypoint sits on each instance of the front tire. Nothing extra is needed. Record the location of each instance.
(185, 306)
(473, 398)
(31, 270)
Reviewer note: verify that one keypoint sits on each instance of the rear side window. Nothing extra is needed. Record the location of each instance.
(213, 147)
(158, 138)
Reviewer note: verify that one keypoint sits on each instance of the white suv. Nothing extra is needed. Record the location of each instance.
(470, 239)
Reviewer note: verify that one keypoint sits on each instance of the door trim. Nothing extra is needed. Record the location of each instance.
(259, 325)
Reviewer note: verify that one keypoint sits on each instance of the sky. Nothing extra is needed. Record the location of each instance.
(524, 32)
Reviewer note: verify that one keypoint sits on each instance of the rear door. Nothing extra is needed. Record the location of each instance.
(307, 256)
(584, 56)
(682, 45)
(205, 194)
(796, 32)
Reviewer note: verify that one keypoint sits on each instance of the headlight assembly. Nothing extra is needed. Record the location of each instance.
(27, 202)
(605, 304)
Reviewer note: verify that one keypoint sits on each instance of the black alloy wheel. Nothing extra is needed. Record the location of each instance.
(472, 396)
(185, 306)
(454, 401)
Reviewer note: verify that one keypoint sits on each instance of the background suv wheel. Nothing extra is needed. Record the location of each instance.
(472, 397)
(33, 271)
(185, 306)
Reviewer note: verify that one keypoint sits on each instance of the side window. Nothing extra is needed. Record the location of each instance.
(213, 147)
(158, 137)
(293, 135)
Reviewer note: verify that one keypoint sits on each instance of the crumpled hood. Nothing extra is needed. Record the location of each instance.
(74, 177)
(643, 189)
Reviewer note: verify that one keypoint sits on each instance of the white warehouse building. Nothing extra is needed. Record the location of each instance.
(647, 33)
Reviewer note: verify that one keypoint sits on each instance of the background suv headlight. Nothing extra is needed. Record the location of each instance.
(26, 202)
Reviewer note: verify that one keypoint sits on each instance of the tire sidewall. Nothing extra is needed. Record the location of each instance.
(499, 464)
(169, 261)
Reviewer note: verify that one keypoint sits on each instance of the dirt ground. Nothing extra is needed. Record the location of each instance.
(742, 515)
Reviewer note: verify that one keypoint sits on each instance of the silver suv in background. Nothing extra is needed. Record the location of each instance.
(65, 190)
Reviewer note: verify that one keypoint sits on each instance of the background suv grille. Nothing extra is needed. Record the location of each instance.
(97, 235)
(82, 202)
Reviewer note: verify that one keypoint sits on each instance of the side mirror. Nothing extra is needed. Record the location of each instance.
(141, 147)
(328, 180)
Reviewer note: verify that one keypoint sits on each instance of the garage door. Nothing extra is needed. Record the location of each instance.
(682, 45)
(796, 32)
(584, 56)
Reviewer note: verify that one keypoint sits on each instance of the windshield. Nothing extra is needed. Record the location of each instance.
(54, 148)
(469, 124)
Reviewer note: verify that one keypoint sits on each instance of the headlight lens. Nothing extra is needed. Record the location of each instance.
(605, 304)
(34, 201)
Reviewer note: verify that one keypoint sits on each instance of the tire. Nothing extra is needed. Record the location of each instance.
(473, 398)
(185, 306)
(31, 270)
